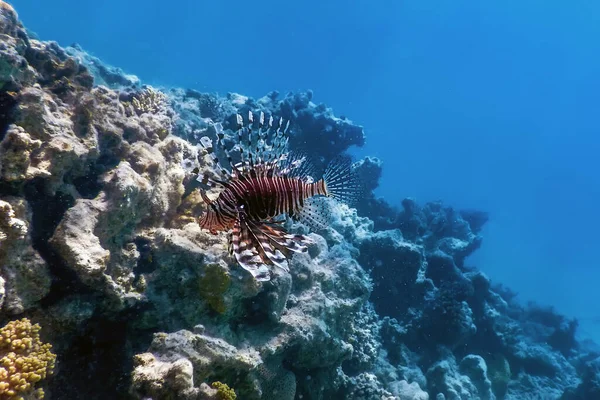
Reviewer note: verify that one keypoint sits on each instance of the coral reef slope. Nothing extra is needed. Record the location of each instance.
(99, 245)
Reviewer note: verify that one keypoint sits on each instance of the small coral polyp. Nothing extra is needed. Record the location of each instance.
(24, 361)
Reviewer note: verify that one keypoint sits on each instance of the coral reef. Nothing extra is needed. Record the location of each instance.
(99, 243)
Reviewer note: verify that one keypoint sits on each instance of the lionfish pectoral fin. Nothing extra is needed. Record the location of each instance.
(284, 241)
(315, 213)
(245, 252)
(259, 244)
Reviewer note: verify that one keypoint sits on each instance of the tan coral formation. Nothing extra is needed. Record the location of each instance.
(94, 234)
(70, 138)
(177, 376)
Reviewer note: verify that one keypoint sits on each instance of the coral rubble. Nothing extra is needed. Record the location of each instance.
(99, 245)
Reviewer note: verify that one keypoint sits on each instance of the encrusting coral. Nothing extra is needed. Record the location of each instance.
(25, 360)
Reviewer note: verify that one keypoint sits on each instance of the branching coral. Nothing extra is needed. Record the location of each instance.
(149, 100)
(25, 360)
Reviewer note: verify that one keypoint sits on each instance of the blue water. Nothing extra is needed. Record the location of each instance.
(489, 106)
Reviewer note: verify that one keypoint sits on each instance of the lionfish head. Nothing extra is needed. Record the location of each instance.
(212, 220)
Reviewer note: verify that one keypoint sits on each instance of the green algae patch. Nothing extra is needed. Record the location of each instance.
(224, 392)
(213, 284)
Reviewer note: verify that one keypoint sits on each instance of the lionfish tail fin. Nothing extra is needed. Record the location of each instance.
(342, 182)
(256, 245)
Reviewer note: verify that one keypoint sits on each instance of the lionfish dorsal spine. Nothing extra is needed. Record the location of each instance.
(249, 145)
(240, 132)
(227, 152)
(260, 147)
(207, 146)
(261, 119)
(278, 144)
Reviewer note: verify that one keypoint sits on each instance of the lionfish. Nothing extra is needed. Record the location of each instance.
(264, 183)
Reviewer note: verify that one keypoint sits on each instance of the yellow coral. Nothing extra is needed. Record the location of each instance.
(24, 361)
(224, 392)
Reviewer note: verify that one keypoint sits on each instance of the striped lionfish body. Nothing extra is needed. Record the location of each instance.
(267, 182)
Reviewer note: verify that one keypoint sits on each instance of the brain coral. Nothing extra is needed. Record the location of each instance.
(24, 361)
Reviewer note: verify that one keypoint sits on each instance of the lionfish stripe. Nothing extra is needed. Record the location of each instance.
(259, 247)
(277, 237)
(210, 181)
(297, 195)
(289, 190)
(265, 186)
(283, 195)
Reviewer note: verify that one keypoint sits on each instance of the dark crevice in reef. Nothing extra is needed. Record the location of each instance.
(111, 151)
(11, 188)
(88, 185)
(146, 262)
(7, 104)
(47, 212)
(99, 360)
(257, 308)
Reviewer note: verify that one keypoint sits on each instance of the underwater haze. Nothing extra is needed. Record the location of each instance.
(490, 106)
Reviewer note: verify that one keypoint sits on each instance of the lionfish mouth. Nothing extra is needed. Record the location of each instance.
(262, 181)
